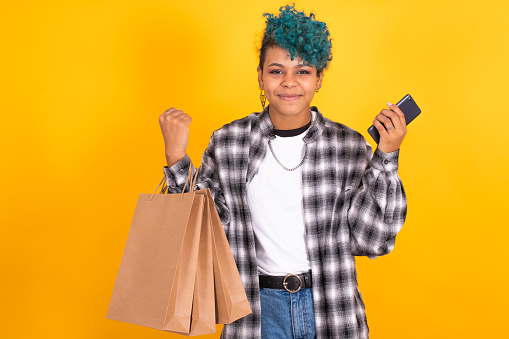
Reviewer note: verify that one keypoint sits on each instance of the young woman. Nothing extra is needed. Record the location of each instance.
(298, 194)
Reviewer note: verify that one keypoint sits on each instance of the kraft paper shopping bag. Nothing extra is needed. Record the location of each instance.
(156, 278)
(231, 299)
(177, 272)
(203, 315)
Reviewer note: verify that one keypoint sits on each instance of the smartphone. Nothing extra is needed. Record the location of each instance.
(409, 108)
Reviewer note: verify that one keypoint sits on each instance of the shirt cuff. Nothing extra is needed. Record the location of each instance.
(386, 162)
(176, 175)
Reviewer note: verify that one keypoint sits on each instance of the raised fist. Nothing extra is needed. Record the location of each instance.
(175, 128)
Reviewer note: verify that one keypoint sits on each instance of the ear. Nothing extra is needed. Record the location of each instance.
(260, 77)
(319, 81)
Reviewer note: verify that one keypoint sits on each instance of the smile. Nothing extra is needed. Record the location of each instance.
(289, 97)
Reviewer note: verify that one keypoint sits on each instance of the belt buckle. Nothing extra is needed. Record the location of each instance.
(285, 284)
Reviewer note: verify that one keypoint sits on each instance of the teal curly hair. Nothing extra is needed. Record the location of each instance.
(301, 35)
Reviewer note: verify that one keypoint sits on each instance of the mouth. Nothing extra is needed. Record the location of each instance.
(289, 97)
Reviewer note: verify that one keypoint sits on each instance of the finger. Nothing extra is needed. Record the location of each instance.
(384, 119)
(180, 120)
(393, 116)
(399, 113)
(168, 115)
(398, 118)
(182, 116)
(171, 118)
(187, 120)
(176, 114)
(381, 129)
(173, 112)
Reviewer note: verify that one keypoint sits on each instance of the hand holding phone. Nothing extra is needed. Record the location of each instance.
(409, 108)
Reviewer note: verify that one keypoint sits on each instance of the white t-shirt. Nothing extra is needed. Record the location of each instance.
(274, 196)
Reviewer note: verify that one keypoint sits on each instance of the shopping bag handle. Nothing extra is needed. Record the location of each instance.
(163, 189)
(190, 179)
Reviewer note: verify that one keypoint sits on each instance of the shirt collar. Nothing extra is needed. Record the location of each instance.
(316, 128)
(266, 126)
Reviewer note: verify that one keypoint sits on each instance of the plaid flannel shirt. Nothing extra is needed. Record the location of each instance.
(354, 204)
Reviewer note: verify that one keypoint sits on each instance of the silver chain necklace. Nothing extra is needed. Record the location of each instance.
(279, 162)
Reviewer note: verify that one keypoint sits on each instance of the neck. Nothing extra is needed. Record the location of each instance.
(289, 121)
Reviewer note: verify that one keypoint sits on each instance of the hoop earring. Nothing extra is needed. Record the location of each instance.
(263, 98)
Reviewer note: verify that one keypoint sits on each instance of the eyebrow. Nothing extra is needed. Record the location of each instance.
(279, 65)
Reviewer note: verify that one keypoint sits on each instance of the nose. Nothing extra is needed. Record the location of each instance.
(289, 80)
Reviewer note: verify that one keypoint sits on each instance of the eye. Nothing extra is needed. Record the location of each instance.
(303, 71)
(276, 71)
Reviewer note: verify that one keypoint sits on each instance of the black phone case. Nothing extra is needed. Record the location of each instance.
(409, 108)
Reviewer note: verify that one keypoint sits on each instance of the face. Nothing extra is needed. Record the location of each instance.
(289, 85)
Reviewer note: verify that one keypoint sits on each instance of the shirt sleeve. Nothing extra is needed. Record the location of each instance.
(208, 177)
(378, 207)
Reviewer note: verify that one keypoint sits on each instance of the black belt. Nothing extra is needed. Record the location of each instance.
(291, 282)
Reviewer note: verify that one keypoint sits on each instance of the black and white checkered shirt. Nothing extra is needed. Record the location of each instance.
(354, 204)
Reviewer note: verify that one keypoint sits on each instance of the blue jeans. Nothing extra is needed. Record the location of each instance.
(287, 315)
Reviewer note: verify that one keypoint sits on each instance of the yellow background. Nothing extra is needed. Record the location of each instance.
(83, 84)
